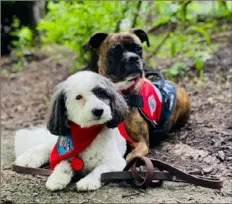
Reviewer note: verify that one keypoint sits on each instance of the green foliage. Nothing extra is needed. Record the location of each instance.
(191, 37)
(185, 28)
(72, 23)
(24, 36)
(24, 41)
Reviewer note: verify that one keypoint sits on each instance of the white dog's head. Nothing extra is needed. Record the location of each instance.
(87, 99)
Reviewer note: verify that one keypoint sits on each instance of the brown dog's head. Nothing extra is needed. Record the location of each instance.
(119, 55)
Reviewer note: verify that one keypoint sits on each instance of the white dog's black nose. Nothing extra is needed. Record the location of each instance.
(97, 112)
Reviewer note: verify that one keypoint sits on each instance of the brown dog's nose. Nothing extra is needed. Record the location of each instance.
(133, 59)
(97, 112)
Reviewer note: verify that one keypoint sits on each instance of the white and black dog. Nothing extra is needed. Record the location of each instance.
(87, 99)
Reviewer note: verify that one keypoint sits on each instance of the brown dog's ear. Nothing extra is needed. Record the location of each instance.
(95, 41)
(142, 35)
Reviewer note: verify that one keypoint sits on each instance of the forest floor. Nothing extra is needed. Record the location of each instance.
(204, 143)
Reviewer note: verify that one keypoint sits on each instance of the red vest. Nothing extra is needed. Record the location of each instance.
(69, 146)
(152, 102)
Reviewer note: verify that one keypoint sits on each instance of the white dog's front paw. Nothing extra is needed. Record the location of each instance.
(88, 184)
(57, 183)
(61, 176)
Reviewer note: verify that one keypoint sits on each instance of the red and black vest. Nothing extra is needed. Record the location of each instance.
(154, 102)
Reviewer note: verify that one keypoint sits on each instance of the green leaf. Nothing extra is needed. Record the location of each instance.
(173, 46)
(199, 63)
(174, 71)
(173, 8)
(201, 30)
(162, 20)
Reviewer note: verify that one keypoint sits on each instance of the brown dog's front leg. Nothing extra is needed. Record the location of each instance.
(141, 149)
(138, 130)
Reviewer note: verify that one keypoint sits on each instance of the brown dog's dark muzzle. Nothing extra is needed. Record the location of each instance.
(133, 72)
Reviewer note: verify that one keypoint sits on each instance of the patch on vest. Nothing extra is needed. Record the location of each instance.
(152, 104)
(64, 144)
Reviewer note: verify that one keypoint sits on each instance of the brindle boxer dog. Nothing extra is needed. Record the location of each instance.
(119, 56)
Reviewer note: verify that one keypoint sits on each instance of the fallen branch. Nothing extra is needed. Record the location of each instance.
(129, 195)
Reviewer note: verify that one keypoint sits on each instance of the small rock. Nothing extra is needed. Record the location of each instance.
(190, 157)
(208, 170)
(221, 155)
(191, 198)
(229, 159)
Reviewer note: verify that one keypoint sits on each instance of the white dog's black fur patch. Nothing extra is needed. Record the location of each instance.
(87, 99)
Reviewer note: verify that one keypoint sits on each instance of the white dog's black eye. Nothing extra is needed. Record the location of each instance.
(100, 93)
(79, 97)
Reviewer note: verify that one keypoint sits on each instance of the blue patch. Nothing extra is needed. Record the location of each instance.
(64, 144)
(168, 99)
(152, 104)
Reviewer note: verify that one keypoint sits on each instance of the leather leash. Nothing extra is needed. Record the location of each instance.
(143, 172)
(151, 177)
(32, 171)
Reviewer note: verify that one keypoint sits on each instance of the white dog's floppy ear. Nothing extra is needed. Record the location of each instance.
(58, 119)
(118, 107)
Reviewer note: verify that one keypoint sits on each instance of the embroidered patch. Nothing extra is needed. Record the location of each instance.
(64, 144)
(152, 104)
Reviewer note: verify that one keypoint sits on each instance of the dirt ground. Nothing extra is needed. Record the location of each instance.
(204, 144)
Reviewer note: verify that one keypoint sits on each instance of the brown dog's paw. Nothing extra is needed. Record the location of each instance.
(134, 154)
(129, 157)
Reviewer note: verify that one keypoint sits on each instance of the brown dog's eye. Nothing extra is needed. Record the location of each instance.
(138, 49)
(79, 97)
(117, 49)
